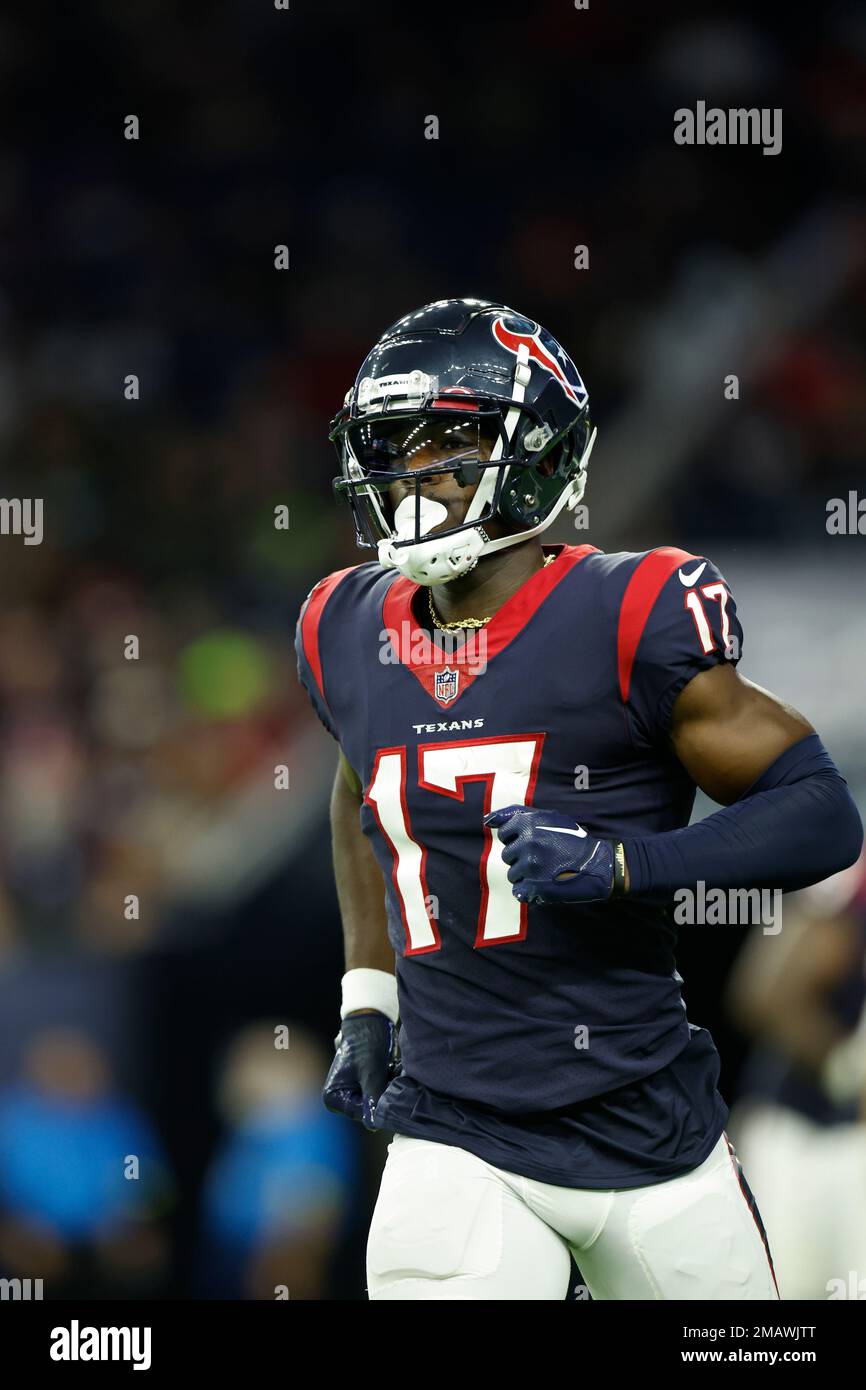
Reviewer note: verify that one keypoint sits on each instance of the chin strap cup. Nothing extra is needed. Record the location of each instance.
(435, 561)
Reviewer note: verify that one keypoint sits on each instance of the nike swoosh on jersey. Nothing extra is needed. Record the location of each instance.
(690, 579)
(560, 830)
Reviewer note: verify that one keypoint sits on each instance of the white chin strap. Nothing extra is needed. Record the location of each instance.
(434, 561)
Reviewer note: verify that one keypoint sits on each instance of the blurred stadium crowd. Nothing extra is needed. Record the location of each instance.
(148, 1031)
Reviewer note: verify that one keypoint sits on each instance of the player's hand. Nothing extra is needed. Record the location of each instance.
(366, 1061)
(550, 858)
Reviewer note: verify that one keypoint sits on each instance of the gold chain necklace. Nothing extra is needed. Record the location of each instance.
(466, 622)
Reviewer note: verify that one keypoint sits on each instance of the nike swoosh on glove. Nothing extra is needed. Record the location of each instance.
(538, 845)
(366, 1062)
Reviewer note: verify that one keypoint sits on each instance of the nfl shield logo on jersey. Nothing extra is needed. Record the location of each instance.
(446, 685)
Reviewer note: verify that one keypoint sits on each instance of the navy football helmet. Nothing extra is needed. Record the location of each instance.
(500, 396)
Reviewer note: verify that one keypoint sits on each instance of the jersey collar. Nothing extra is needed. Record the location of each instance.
(442, 672)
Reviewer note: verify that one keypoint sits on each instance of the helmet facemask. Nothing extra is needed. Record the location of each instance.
(376, 454)
(516, 480)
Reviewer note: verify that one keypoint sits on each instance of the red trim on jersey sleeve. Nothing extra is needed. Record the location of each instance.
(311, 618)
(638, 601)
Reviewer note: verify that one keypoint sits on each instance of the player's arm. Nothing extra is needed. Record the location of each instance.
(366, 1057)
(366, 1045)
(726, 731)
(787, 818)
(360, 889)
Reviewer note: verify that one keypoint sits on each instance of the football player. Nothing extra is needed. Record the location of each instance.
(522, 728)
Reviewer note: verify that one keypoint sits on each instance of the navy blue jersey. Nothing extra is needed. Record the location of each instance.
(551, 1040)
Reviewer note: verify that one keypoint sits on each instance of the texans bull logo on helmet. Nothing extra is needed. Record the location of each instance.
(542, 348)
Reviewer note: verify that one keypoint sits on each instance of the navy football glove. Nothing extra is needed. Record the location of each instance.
(538, 846)
(366, 1062)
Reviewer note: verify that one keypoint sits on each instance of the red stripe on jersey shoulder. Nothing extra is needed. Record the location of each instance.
(642, 590)
(312, 617)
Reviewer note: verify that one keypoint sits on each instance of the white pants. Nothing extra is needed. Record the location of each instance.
(448, 1225)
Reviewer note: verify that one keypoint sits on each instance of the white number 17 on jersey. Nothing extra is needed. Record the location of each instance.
(509, 767)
